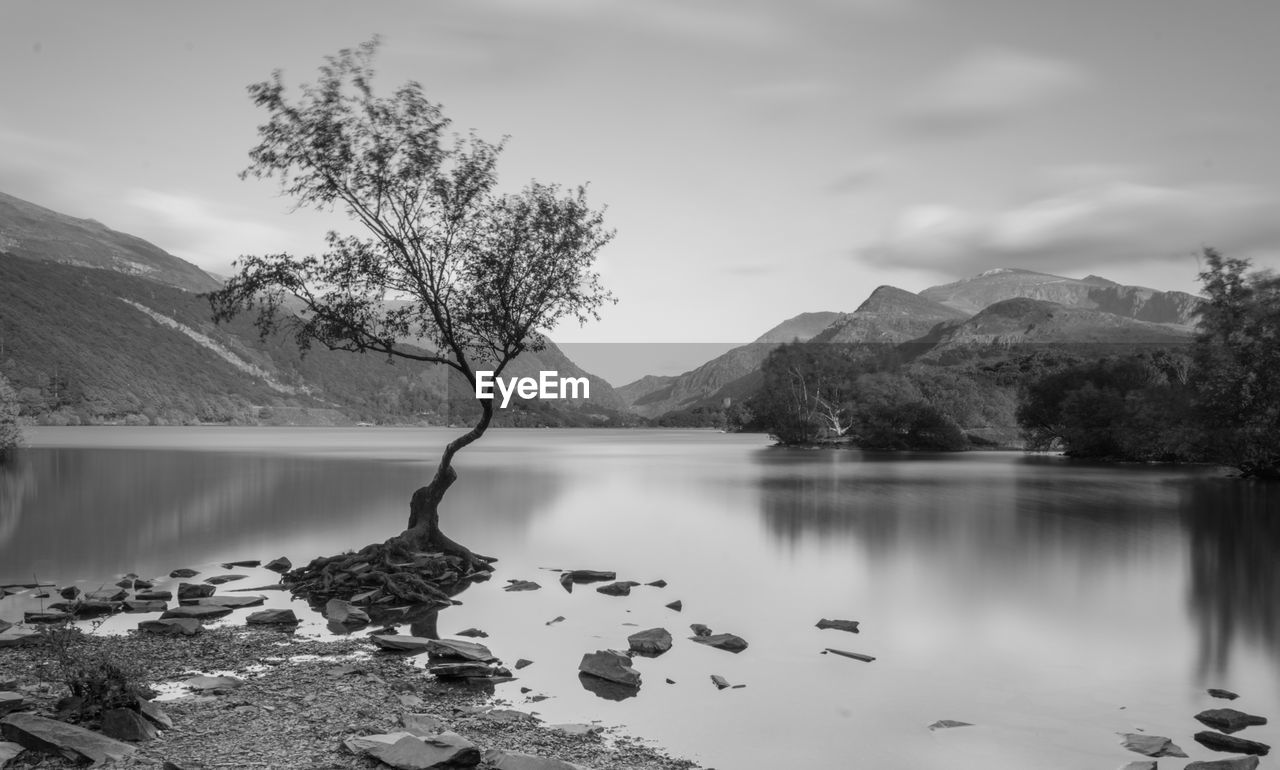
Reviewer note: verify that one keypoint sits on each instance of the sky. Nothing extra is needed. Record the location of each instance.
(757, 158)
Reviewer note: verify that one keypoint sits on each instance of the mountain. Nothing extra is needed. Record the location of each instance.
(889, 315)
(654, 395)
(95, 338)
(37, 233)
(971, 295)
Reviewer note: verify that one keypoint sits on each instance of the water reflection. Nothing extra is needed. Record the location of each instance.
(1234, 586)
(17, 485)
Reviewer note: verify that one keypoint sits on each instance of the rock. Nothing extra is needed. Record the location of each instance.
(52, 736)
(847, 654)
(473, 633)
(1229, 720)
(139, 605)
(197, 612)
(89, 608)
(521, 663)
(654, 641)
(514, 760)
(106, 595)
(194, 590)
(1151, 745)
(658, 584)
(345, 614)
(1224, 694)
(153, 712)
(603, 688)
(281, 564)
(171, 626)
(126, 583)
(183, 573)
(234, 602)
(729, 642)
(677, 605)
(611, 666)
(153, 596)
(128, 725)
(11, 701)
(943, 724)
(589, 576)
(401, 643)
(203, 683)
(245, 563)
(273, 587)
(576, 728)
(218, 580)
(5, 625)
(720, 682)
(699, 629)
(70, 592)
(840, 625)
(556, 619)
(1220, 742)
(361, 744)
(1234, 763)
(509, 716)
(1142, 764)
(458, 649)
(143, 585)
(9, 752)
(521, 585)
(621, 588)
(272, 618)
(421, 724)
(446, 750)
(468, 670)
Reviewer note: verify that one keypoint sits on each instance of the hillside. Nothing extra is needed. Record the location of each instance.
(802, 327)
(889, 315)
(37, 233)
(971, 295)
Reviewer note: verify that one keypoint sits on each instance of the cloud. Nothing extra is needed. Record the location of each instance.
(194, 229)
(860, 176)
(987, 88)
(1092, 226)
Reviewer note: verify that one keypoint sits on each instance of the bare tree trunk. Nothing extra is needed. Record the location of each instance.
(423, 531)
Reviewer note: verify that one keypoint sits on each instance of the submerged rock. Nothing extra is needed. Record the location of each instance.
(1220, 742)
(1229, 720)
(52, 736)
(944, 724)
(611, 666)
(840, 625)
(654, 641)
(1151, 745)
(727, 642)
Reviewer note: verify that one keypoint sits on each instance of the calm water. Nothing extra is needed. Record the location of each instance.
(1051, 603)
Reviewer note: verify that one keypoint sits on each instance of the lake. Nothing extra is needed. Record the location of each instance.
(1050, 603)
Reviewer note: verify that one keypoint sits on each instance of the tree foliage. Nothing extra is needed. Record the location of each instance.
(10, 430)
(1236, 372)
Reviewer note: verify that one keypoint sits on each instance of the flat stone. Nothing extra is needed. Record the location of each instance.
(728, 642)
(401, 642)
(1151, 745)
(509, 716)
(1233, 763)
(183, 573)
(1229, 720)
(621, 588)
(840, 625)
(52, 736)
(9, 752)
(523, 662)
(194, 590)
(653, 641)
(46, 617)
(361, 744)
(151, 710)
(171, 626)
(515, 760)
(473, 633)
(271, 587)
(1224, 694)
(1220, 742)
(590, 575)
(202, 683)
(677, 605)
(446, 750)
(699, 629)
(148, 605)
(854, 655)
(521, 585)
(143, 585)
(234, 602)
(245, 563)
(611, 666)
(128, 725)
(468, 670)
(197, 612)
(218, 580)
(720, 682)
(153, 596)
(281, 564)
(457, 648)
(657, 584)
(946, 724)
(11, 701)
(1141, 764)
(106, 595)
(272, 618)
(556, 619)
(70, 592)
(345, 614)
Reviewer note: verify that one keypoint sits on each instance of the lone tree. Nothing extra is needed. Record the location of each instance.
(479, 275)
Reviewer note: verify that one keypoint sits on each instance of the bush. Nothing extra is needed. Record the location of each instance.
(97, 679)
(10, 431)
